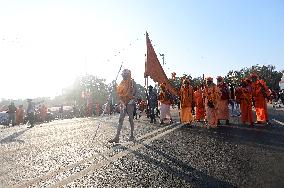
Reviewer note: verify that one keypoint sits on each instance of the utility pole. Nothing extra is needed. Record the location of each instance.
(163, 58)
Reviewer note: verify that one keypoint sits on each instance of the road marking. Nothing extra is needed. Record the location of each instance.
(27, 183)
(279, 122)
(111, 159)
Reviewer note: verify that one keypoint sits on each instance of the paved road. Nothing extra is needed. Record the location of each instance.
(70, 153)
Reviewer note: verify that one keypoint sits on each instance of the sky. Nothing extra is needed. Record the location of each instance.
(46, 44)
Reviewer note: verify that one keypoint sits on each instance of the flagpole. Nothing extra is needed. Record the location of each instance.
(146, 78)
(147, 82)
(203, 81)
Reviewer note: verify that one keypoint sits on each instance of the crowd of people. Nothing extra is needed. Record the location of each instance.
(37, 112)
(207, 102)
(210, 101)
(18, 115)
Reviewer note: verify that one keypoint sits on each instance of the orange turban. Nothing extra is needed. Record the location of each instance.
(253, 75)
(163, 85)
(209, 78)
(219, 79)
(186, 81)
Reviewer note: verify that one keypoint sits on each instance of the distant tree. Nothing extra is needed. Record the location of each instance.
(99, 90)
(197, 81)
(177, 82)
(141, 91)
(86, 85)
(267, 73)
(234, 77)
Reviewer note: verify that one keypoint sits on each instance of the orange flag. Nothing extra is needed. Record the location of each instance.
(154, 69)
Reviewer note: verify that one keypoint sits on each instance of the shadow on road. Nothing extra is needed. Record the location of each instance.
(184, 171)
(258, 138)
(13, 137)
(178, 169)
(121, 169)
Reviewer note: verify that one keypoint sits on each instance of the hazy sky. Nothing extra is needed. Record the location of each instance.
(45, 45)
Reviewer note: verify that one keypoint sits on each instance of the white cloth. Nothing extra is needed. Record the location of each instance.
(165, 111)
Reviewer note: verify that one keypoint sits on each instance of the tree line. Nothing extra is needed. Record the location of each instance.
(266, 72)
(99, 90)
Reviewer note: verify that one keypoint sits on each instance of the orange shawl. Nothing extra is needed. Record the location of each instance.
(186, 95)
(125, 90)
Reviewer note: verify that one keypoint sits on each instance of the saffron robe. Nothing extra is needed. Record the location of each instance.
(223, 102)
(199, 105)
(186, 98)
(125, 90)
(212, 94)
(260, 93)
(245, 95)
(19, 116)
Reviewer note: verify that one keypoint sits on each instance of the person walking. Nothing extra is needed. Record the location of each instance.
(199, 105)
(186, 98)
(152, 103)
(260, 94)
(127, 91)
(61, 112)
(12, 113)
(211, 93)
(165, 100)
(245, 98)
(223, 101)
(31, 111)
(20, 115)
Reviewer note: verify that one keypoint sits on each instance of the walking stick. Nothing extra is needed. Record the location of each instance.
(203, 95)
(108, 99)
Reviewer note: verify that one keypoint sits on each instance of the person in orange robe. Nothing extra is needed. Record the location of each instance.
(90, 106)
(142, 106)
(186, 99)
(212, 94)
(98, 109)
(199, 105)
(165, 100)
(20, 115)
(245, 99)
(127, 91)
(260, 94)
(43, 113)
(223, 100)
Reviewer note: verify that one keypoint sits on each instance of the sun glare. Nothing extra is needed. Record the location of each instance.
(43, 54)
